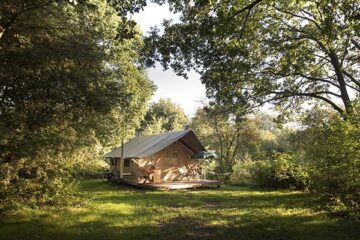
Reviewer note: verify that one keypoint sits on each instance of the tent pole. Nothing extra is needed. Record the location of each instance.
(122, 160)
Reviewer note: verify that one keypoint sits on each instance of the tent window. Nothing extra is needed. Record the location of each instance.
(127, 162)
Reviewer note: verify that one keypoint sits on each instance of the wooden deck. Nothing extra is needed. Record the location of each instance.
(180, 185)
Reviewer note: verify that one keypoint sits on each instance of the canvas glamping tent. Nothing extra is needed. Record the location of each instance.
(160, 161)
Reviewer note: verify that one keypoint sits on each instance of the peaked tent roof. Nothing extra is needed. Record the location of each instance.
(144, 146)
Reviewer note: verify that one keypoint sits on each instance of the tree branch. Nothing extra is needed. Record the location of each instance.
(351, 78)
(6, 27)
(318, 79)
(248, 7)
(244, 24)
(314, 95)
(299, 16)
(357, 45)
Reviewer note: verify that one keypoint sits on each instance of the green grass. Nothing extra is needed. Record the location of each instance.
(118, 212)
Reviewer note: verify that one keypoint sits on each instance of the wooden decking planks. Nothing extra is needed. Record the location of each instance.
(180, 185)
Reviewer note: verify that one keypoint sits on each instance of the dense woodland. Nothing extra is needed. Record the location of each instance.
(282, 80)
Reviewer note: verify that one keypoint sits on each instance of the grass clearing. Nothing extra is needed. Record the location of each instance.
(120, 212)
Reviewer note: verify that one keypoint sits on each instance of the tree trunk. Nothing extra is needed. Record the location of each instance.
(342, 84)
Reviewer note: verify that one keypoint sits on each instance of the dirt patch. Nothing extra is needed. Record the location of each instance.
(211, 203)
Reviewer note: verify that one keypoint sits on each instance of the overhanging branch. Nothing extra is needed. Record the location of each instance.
(246, 8)
(284, 94)
(351, 78)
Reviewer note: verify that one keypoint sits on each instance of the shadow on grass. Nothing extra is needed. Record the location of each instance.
(190, 227)
(123, 212)
(199, 199)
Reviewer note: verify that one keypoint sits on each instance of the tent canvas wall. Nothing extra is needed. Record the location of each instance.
(163, 157)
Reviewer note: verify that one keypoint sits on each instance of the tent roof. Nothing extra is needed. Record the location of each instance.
(144, 146)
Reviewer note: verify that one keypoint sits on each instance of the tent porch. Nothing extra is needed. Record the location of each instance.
(172, 185)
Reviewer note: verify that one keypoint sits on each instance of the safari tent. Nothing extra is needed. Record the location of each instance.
(160, 161)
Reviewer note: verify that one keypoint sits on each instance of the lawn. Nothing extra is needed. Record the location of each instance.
(120, 212)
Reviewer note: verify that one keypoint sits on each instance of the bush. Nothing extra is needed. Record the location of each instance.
(262, 174)
(87, 164)
(91, 169)
(46, 179)
(287, 174)
(279, 173)
(35, 182)
(242, 172)
(333, 152)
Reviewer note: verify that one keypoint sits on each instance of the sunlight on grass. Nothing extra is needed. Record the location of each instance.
(122, 212)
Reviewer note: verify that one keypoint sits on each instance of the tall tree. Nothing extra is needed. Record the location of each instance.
(283, 52)
(163, 116)
(219, 132)
(66, 82)
(254, 136)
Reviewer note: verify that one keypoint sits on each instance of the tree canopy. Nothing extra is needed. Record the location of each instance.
(67, 82)
(73, 84)
(163, 116)
(252, 53)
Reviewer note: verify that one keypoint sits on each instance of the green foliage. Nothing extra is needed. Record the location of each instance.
(253, 52)
(242, 174)
(287, 174)
(67, 84)
(163, 116)
(88, 163)
(220, 132)
(333, 152)
(253, 136)
(37, 182)
(281, 173)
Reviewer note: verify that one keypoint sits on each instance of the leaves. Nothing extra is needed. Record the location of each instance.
(332, 152)
(249, 54)
(163, 116)
(68, 87)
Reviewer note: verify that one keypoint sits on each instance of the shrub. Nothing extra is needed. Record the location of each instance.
(285, 173)
(91, 169)
(279, 173)
(87, 163)
(333, 152)
(35, 182)
(242, 172)
(261, 173)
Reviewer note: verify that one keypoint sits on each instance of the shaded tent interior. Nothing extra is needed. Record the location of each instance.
(160, 161)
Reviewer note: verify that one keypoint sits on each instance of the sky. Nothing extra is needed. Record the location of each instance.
(188, 93)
